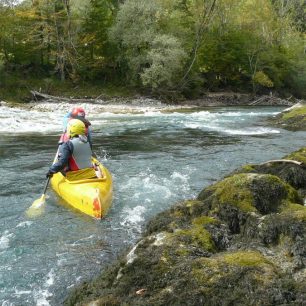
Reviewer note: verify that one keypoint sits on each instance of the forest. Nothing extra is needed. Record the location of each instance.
(171, 48)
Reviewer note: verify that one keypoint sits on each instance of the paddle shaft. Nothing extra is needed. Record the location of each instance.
(46, 186)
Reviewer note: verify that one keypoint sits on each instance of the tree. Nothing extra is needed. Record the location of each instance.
(95, 46)
(135, 28)
(202, 13)
(166, 59)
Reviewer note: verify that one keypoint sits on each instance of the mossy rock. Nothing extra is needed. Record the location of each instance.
(299, 155)
(291, 173)
(259, 193)
(241, 242)
(242, 278)
(176, 216)
(292, 119)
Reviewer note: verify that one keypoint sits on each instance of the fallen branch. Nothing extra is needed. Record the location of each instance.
(257, 101)
(282, 161)
(39, 96)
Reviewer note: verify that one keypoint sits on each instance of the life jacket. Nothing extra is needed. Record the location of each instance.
(81, 154)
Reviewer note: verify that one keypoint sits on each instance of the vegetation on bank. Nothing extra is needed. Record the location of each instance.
(164, 48)
(292, 119)
(17, 88)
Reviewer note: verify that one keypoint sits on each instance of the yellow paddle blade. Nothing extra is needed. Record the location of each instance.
(37, 207)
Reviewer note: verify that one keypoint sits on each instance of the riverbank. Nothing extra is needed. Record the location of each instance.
(209, 100)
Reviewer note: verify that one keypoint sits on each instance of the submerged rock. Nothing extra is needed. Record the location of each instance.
(241, 242)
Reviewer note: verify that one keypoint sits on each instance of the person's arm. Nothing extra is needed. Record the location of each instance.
(65, 152)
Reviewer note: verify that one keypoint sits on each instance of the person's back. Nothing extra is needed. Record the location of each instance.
(75, 154)
(81, 153)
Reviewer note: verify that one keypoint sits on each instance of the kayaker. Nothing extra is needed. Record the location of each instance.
(76, 113)
(74, 154)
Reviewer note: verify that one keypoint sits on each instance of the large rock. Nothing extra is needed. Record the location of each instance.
(241, 242)
(293, 118)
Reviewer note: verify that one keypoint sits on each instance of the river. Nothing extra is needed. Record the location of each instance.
(157, 157)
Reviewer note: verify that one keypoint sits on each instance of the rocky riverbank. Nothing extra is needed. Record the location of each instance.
(293, 118)
(239, 99)
(209, 100)
(241, 242)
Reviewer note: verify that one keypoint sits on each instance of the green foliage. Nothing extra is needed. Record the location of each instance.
(225, 57)
(166, 59)
(95, 47)
(163, 46)
(262, 79)
(133, 32)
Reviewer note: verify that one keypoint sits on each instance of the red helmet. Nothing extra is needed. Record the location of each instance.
(78, 112)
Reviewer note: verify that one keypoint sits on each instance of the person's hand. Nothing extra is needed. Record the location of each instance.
(49, 174)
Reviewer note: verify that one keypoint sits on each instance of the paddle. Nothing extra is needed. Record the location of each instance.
(36, 207)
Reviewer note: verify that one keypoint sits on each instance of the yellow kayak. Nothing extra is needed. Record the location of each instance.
(91, 196)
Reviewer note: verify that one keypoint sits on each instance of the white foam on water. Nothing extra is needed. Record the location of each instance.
(50, 278)
(42, 298)
(24, 224)
(133, 217)
(79, 242)
(204, 115)
(19, 121)
(5, 268)
(42, 294)
(5, 240)
(151, 113)
(21, 292)
(180, 180)
(7, 303)
(248, 114)
(222, 122)
(204, 126)
(46, 117)
(251, 131)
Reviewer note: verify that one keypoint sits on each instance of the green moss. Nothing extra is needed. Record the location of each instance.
(248, 168)
(245, 259)
(276, 182)
(295, 112)
(198, 236)
(210, 271)
(294, 207)
(191, 203)
(299, 155)
(178, 214)
(295, 211)
(182, 251)
(203, 220)
(234, 190)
